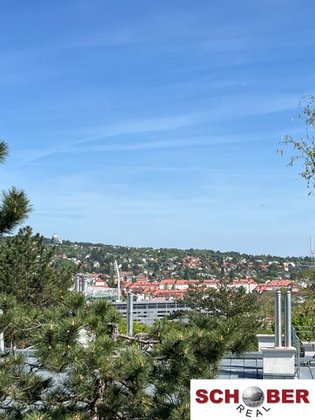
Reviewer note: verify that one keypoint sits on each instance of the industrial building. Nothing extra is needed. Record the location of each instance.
(148, 311)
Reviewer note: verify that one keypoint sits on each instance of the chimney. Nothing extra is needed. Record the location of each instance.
(130, 314)
(278, 334)
(279, 361)
(1, 337)
(84, 286)
(287, 319)
(76, 284)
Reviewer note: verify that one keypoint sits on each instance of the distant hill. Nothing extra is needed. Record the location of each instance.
(178, 263)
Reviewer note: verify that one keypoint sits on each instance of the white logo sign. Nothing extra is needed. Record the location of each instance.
(244, 399)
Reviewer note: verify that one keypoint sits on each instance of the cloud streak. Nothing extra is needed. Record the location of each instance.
(124, 128)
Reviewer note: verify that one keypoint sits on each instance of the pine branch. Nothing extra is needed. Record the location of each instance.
(4, 151)
(136, 339)
(14, 209)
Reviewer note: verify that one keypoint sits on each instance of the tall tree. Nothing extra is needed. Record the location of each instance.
(304, 147)
(226, 309)
(14, 205)
(31, 291)
(304, 151)
(28, 270)
(30, 286)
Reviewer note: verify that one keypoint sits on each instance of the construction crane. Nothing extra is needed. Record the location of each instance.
(118, 281)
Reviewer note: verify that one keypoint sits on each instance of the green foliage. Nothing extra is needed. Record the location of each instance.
(230, 311)
(31, 289)
(304, 147)
(309, 277)
(170, 263)
(14, 205)
(138, 327)
(4, 151)
(113, 378)
(108, 377)
(27, 271)
(14, 209)
(19, 388)
(183, 352)
(304, 318)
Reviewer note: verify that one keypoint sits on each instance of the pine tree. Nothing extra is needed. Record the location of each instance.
(229, 310)
(28, 272)
(30, 285)
(14, 205)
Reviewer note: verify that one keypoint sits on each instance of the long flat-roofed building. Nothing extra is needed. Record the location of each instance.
(147, 311)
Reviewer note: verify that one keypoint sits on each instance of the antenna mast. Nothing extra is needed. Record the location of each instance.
(312, 251)
(118, 281)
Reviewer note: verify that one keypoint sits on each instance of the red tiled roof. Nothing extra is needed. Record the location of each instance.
(244, 281)
(177, 293)
(167, 281)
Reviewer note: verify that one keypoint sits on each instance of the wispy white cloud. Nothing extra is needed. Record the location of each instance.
(96, 138)
(167, 143)
(30, 155)
(123, 128)
(150, 145)
(149, 125)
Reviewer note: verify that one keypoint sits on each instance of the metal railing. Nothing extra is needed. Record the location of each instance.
(306, 332)
(296, 342)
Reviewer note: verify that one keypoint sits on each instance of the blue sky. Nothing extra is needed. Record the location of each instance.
(157, 123)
